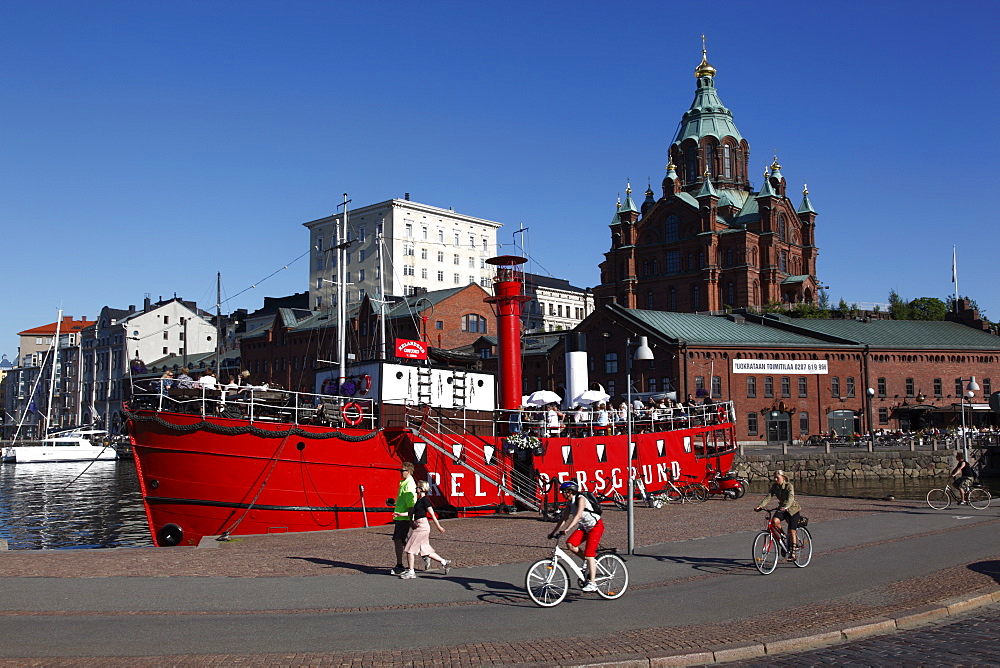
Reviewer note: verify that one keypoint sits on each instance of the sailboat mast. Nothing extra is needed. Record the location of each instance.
(381, 292)
(218, 324)
(342, 298)
(52, 376)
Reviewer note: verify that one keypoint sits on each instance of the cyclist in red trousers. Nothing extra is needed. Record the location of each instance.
(579, 515)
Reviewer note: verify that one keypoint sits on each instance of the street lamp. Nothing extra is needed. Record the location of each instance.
(869, 393)
(972, 388)
(643, 352)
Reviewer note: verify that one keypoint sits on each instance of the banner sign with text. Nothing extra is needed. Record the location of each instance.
(800, 367)
(411, 350)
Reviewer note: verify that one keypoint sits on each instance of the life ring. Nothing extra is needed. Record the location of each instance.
(366, 384)
(723, 413)
(356, 419)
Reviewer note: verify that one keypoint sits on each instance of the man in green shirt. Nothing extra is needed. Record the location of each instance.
(405, 499)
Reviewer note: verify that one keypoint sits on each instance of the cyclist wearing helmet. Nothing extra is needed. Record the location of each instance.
(578, 514)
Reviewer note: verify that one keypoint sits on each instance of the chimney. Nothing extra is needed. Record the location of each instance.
(406, 196)
(131, 308)
(146, 304)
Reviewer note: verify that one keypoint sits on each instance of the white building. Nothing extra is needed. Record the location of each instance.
(425, 247)
(120, 337)
(555, 304)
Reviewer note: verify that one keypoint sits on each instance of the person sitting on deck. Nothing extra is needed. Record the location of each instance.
(184, 381)
(603, 420)
(580, 418)
(208, 380)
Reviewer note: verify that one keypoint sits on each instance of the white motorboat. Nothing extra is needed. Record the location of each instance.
(73, 446)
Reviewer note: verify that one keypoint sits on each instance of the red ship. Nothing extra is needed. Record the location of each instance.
(254, 461)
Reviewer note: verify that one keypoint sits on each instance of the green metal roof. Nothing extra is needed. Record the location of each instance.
(707, 189)
(795, 279)
(629, 205)
(806, 206)
(707, 116)
(907, 334)
(710, 329)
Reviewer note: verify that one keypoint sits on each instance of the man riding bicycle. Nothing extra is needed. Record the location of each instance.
(788, 508)
(579, 515)
(964, 477)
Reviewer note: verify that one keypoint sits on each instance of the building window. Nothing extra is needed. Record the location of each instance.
(361, 274)
(716, 386)
(803, 422)
(439, 324)
(835, 386)
(611, 363)
(731, 294)
(408, 270)
(361, 256)
(672, 300)
(423, 253)
(959, 390)
(803, 386)
(696, 298)
(987, 387)
(751, 387)
(883, 415)
(651, 385)
(440, 256)
(649, 300)
(752, 424)
(850, 386)
(423, 272)
(457, 279)
(408, 249)
(457, 260)
(440, 275)
(938, 387)
(786, 386)
(768, 386)
(699, 385)
(909, 387)
(673, 262)
(457, 242)
(881, 387)
(472, 263)
(474, 323)
(409, 230)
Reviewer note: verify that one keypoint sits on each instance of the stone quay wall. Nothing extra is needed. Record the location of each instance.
(845, 465)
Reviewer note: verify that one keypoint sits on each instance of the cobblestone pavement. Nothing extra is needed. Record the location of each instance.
(511, 539)
(519, 538)
(968, 641)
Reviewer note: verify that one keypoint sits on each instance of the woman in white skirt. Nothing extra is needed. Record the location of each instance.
(419, 542)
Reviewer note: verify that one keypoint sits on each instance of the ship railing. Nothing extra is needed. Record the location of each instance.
(451, 436)
(259, 404)
(533, 421)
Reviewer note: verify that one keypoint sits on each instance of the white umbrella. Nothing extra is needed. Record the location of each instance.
(593, 397)
(543, 397)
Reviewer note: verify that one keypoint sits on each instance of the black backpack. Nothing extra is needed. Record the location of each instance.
(594, 503)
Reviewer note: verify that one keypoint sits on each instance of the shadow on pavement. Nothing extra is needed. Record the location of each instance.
(705, 564)
(332, 563)
(990, 568)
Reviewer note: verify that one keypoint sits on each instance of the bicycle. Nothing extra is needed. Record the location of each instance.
(688, 493)
(547, 580)
(771, 543)
(611, 494)
(940, 498)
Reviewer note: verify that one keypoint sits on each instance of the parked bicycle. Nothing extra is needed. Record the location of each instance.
(548, 580)
(689, 492)
(940, 498)
(772, 543)
(611, 493)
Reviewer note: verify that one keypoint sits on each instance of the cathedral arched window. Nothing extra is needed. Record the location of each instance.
(690, 261)
(701, 260)
(728, 261)
(691, 162)
(670, 229)
(696, 298)
(731, 294)
(727, 161)
(710, 160)
(783, 262)
(654, 267)
(645, 268)
(649, 300)
(672, 300)
(756, 293)
(782, 231)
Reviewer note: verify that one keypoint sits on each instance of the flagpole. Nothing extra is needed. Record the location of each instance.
(954, 273)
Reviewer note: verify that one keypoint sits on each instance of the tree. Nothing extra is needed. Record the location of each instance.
(927, 308)
(898, 308)
(824, 299)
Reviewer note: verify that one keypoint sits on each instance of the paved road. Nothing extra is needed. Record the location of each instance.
(685, 596)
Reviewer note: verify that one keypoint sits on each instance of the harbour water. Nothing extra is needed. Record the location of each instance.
(71, 505)
(98, 505)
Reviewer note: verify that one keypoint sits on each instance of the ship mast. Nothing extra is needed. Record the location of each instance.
(52, 374)
(507, 302)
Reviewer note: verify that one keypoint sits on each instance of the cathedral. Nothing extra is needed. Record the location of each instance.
(711, 242)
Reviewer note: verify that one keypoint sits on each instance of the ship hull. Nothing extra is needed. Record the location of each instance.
(215, 476)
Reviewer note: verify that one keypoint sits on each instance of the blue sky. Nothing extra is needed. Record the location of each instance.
(147, 146)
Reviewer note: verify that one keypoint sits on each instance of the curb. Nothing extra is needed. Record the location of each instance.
(905, 620)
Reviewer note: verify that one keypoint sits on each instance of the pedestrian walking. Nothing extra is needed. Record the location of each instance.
(405, 498)
(419, 543)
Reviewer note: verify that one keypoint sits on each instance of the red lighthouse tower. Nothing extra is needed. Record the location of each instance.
(507, 303)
